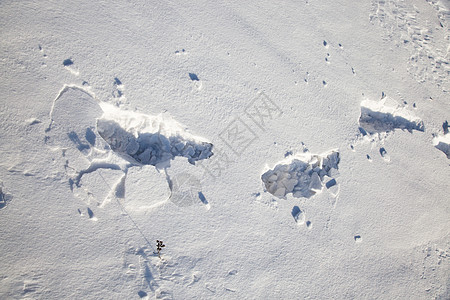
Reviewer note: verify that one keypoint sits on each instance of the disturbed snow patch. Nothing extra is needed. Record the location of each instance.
(379, 119)
(442, 141)
(302, 174)
(149, 140)
(385, 116)
(4, 197)
(81, 144)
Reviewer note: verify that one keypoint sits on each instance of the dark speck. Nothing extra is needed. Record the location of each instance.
(90, 213)
(67, 62)
(193, 77)
(445, 127)
(117, 81)
(202, 198)
(142, 294)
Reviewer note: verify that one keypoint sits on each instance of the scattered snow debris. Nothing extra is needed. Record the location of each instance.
(301, 174)
(379, 116)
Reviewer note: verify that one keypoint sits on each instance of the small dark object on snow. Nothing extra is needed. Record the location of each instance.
(159, 246)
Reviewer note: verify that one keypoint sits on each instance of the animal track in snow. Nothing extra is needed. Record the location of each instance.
(151, 275)
(181, 52)
(434, 269)
(269, 202)
(442, 141)
(385, 116)
(302, 174)
(408, 25)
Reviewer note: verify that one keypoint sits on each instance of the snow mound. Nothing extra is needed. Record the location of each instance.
(385, 116)
(302, 174)
(149, 140)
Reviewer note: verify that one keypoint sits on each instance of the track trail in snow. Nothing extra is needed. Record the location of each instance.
(427, 40)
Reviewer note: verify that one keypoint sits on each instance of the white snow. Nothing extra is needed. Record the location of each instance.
(280, 150)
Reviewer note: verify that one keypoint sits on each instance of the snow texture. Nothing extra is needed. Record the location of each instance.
(127, 122)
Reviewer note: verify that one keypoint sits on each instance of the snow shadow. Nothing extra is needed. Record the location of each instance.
(375, 121)
(379, 117)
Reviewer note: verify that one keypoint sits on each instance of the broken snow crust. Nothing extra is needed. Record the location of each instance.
(302, 174)
(152, 140)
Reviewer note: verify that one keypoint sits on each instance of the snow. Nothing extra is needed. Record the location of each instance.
(281, 150)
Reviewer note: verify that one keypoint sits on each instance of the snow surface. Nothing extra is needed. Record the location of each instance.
(288, 150)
